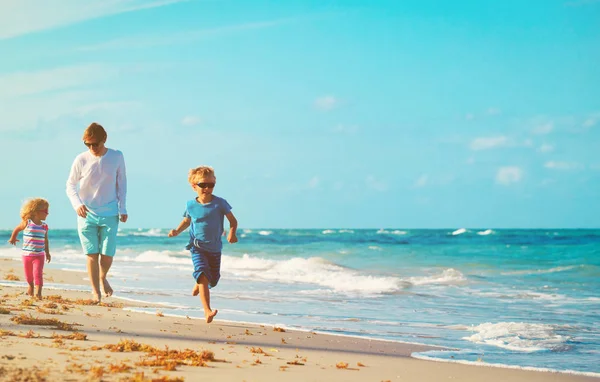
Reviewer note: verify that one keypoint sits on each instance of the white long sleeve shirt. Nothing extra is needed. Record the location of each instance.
(102, 183)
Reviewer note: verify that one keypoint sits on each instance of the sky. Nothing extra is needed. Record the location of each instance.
(314, 114)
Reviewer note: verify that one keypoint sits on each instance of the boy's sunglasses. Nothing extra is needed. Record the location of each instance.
(94, 145)
(205, 185)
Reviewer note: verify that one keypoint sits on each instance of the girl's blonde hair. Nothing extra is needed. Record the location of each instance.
(31, 206)
(198, 173)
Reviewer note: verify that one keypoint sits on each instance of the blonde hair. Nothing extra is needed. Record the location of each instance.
(31, 206)
(198, 173)
(95, 130)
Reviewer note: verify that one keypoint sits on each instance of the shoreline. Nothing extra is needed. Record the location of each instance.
(301, 355)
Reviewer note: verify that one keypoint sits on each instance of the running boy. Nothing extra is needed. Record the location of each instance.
(35, 242)
(205, 214)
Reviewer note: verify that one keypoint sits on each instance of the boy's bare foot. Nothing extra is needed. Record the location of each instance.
(108, 291)
(196, 290)
(30, 291)
(209, 317)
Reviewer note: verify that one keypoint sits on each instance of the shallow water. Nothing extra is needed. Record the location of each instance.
(514, 297)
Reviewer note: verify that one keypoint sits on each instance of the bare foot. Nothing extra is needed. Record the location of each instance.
(209, 317)
(108, 291)
(96, 298)
(196, 290)
(30, 291)
(38, 296)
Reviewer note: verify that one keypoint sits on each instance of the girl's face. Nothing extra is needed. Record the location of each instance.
(42, 213)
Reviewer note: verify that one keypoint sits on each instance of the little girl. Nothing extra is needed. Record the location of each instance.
(35, 242)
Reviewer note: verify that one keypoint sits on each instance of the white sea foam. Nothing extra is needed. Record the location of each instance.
(162, 257)
(346, 231)
(459, 231)
(265, 233)
(430, 356)
(448, 276)
(541, 271)
(394, 232)
(152, 232)
(518, 336)
(485, 233)
(314, 270)
(327, 231)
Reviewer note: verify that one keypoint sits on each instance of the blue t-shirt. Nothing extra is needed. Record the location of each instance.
(207, 222)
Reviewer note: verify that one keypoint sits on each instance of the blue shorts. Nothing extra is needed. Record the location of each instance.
(98, 234)
(207, 263)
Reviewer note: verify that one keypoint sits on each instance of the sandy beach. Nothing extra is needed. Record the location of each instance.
(63, 338)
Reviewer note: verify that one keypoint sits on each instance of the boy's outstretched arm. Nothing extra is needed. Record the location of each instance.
(182, 227)
(13, 237)
(231, 237)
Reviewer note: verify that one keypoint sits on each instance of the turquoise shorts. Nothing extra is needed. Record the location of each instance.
(98, 234)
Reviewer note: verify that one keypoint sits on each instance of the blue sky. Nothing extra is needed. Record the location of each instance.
(315, 114)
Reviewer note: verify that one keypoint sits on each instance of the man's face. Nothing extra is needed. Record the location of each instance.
(95, 145)
(205, 185)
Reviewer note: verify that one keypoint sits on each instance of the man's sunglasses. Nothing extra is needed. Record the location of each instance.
(205, 185)
(94, 145)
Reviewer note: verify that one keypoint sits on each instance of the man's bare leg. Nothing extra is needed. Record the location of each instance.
(105, 264)
(209, 314)
(94, 275)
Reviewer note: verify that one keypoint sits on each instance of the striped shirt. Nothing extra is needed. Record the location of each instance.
(34, 239)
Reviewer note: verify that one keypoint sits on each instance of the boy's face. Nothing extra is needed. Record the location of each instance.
(205, 185)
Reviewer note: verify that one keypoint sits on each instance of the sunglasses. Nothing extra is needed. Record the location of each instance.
(205, 185)
(94, 145)
(44, 211)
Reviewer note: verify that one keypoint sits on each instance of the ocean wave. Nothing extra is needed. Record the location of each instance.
(541, 271)
(519, 336)
(152, 232)
(394, 232)
(459, 231)
(162, 257)
(485, 233)
(313, 270)
(448, 276)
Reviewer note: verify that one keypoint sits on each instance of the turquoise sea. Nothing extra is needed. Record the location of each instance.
(520, 298)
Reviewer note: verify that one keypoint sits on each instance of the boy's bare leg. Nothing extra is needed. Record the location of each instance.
(38, 292)
(209, 314)
(105, 264)
(30, 290)
(196, 290)
(94, 275)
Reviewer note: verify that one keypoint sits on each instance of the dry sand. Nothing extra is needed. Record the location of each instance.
(221, 351)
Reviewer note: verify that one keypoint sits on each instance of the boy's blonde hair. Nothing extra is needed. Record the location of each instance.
(196, 174)
(32, 205)
(95, 130)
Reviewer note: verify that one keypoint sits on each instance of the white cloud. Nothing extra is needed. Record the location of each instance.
(375, 184)
(28, 83)
(184, 37)
(508, 175)
(493, 111)
(485, 143)
(591, 121)
(326, 103)
(546, 148)
(345, 129)
(422, 181)
(544, 128)
(19, 17)
(556, 165)
(190, 120)
(314, 182)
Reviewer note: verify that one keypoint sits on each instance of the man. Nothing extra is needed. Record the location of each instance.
(100, 204)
